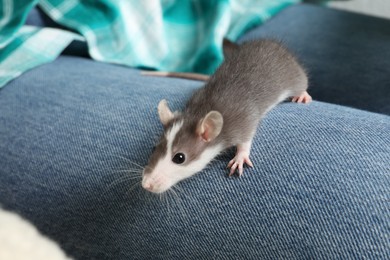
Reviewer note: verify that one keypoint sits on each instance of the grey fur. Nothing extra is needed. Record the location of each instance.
(248, 84)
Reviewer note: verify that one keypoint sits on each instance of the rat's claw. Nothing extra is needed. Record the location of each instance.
(233, 168)
(303, 98)
(238, 163)
(248, 161)
(230, 163)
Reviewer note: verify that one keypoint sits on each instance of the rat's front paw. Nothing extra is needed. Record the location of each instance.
(238, 162)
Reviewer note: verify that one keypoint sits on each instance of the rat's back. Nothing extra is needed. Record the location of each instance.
(251, 80)
(258, 70)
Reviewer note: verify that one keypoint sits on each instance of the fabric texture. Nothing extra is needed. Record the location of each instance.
(73, 133)
(347, 55)
(170, 35)
(32, 47)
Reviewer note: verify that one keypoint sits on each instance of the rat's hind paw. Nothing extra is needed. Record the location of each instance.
(303, 98)
(238, 162)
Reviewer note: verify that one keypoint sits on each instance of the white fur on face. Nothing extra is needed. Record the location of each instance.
(171, 136)
(166, 173)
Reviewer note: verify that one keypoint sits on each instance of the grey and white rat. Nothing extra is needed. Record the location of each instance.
(253, 78)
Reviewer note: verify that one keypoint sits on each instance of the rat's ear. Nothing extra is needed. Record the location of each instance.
(164, 112)
(228, 47)
(210, 126)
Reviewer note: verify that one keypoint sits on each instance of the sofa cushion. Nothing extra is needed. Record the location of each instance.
(72, 134)
(347, 55)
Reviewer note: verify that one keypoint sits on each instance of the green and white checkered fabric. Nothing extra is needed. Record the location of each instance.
(168, 35)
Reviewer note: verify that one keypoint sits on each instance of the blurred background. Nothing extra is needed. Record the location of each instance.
(379, 8)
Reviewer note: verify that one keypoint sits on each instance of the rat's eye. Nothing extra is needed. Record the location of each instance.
(179, 158)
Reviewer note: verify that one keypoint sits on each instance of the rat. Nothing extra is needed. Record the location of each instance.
(253, 78)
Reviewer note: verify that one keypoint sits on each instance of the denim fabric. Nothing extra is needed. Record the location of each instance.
(71, 132)
(347, 55)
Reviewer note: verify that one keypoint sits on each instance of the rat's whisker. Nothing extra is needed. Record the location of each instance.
(132, 177)
(149, 195)
(128, 171)
(119, 181)
(172, 190)
(174, 195)
(177, 187)
(181, 191)
(126, 174)
(179, 202)
(134, 186)
(167, 201)
(128, 160)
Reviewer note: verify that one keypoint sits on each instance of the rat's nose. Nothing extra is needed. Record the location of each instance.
(147, 186)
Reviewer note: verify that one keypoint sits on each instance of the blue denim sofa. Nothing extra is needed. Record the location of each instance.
(74, 132)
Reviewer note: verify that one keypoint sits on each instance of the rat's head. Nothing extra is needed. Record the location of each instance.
(184, 149)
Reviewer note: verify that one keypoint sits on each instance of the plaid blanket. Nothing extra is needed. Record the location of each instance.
(168, 35)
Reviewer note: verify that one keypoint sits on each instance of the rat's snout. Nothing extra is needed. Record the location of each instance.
(147, 186)
(147, 183)
(155, 184)
(152, 186)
